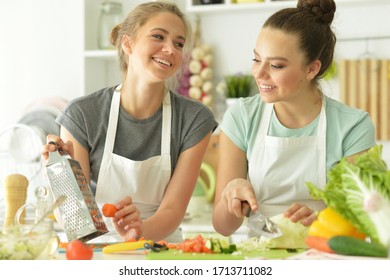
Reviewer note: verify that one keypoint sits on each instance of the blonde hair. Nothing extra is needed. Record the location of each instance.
(138, 17)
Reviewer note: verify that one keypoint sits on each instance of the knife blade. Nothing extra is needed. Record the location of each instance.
(259, 223)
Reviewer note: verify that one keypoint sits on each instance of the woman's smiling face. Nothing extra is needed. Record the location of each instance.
(279, 66)
(158, 49)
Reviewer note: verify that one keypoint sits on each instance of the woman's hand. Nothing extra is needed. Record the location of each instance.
(237, 191)
(298, 212)
(63, 147)
(127, 220)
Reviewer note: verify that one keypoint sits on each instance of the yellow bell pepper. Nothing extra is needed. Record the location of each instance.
(330, 223)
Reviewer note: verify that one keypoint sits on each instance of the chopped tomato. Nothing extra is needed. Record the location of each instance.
(193, 245)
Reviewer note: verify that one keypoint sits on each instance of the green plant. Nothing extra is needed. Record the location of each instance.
(239, 85)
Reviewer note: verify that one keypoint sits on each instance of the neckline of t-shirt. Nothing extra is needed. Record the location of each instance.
(309, 127)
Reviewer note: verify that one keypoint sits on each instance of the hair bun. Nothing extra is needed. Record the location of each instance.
(323, 10)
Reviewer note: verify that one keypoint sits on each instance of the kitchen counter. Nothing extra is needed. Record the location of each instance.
(199, 222)
(310, 254)
(193, 224)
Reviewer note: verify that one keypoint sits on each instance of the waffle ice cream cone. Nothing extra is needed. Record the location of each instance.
(15, 186)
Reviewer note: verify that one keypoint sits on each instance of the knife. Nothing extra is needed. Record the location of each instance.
(126, 246)
(259, 223)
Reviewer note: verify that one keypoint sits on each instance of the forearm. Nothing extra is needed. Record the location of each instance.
(162, 224)
(224, 222)
(231, 182)
(178, 194)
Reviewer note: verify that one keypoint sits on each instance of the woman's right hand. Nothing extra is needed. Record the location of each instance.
(236, 192)
(65, 148)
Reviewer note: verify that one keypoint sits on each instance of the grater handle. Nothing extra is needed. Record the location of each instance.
(54, 157)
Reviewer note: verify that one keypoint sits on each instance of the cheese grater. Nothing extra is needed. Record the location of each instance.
(80, 214)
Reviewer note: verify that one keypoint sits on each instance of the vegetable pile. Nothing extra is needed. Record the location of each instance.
(293, 237)
(332, 233)
(330, 223)
(200, 244)
(359, 193)
(15, 245)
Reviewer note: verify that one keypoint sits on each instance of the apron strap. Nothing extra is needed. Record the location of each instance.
(111, 131)
(166, 124)
(321, 136)
(263, 129)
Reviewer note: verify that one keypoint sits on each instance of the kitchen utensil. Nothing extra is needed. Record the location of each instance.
(173, 254)
(15, 186)
(126, 246)
(259, 223)
(16, 245)
(155, 247)
(49, 211)
(269, 254)
(80, 214)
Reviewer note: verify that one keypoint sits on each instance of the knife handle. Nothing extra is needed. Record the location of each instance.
(126, 246)
(245, 208)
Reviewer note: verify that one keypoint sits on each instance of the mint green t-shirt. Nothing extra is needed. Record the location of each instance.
(348, 131)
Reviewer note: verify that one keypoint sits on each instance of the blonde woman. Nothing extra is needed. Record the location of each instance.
(140, 143)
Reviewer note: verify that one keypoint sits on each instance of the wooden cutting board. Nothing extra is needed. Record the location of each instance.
(177, 255)
(365, 84)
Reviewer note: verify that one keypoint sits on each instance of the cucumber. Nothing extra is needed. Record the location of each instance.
(351, 246)
(220, 247)
(214, 245)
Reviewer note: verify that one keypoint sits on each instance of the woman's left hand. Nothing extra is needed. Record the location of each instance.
(298, 212)
(127, 220)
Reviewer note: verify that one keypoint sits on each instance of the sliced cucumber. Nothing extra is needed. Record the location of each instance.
(218, 246)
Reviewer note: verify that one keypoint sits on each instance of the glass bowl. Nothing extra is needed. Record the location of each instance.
(19, 242)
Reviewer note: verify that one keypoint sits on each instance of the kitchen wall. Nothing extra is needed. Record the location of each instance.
(38, 54)
(42, 45)
(233, 34)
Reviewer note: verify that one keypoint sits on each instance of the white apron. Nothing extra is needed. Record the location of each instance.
(279, 167)
(145, 181)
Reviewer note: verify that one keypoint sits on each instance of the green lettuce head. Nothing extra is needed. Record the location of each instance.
(360, 192)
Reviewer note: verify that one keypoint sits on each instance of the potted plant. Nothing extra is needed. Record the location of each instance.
(236, 86)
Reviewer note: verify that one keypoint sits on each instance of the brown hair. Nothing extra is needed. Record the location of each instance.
(140, 16)
(311, 21)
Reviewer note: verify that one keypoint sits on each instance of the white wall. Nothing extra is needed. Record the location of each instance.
(233, 34)
(40, 53)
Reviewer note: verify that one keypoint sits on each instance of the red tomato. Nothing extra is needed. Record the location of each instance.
(77, 250)
(197, 248)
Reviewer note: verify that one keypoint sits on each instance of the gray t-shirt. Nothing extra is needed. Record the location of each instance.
(86, 118)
